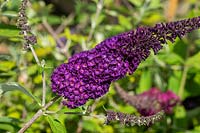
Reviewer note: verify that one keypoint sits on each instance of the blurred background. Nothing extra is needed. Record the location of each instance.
(66, 27)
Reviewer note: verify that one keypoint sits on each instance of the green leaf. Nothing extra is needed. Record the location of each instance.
(127, 109)
(124, 21)
(171, 58)
(100, 19)
(9, 31)
(55, 125)
(42, 52)
(197, 78)
(5, 119)
(11, 86)
(145, 81)
(52, 19)
(5, 74)
(180, 48)
(155, 4)
(193, 113)
(197, 129)
(174, 81)
(180, 117)
(9, 124)
(180, 112)
(158, 80)
(32, 69)
(10, 13)
(152, 19)
(7, 127)
(37, 79)
(6, 65)
(91, 126)
(194, 61)
(137, 3)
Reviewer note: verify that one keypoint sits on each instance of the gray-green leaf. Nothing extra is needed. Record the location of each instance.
(11, 86)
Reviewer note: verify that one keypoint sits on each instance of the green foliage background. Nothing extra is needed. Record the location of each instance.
(175, 67)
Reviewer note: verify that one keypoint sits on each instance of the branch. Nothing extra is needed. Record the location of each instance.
(55, 36)
(37, 115)
(184, 76)
(93, 22)
(34, 55)
(43, 83)
(130, 99)
(29, 40)
(183, 81)
(64, 24)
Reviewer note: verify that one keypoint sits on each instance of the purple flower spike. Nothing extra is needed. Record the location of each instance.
(88, 74)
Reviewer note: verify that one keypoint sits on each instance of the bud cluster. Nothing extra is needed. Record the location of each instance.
(29, 38)
(131, 120)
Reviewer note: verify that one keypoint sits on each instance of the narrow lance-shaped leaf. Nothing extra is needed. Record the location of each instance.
(8, 31)
(12, 86)
(9, 124)
(55, 125)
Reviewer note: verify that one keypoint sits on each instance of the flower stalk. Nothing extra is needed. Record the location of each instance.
(39, 113)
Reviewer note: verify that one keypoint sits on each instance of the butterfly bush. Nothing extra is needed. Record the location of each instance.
(88, 74)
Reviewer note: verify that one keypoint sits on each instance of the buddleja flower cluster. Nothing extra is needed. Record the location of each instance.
(150, 102)
(88, 75)
(22, 23)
